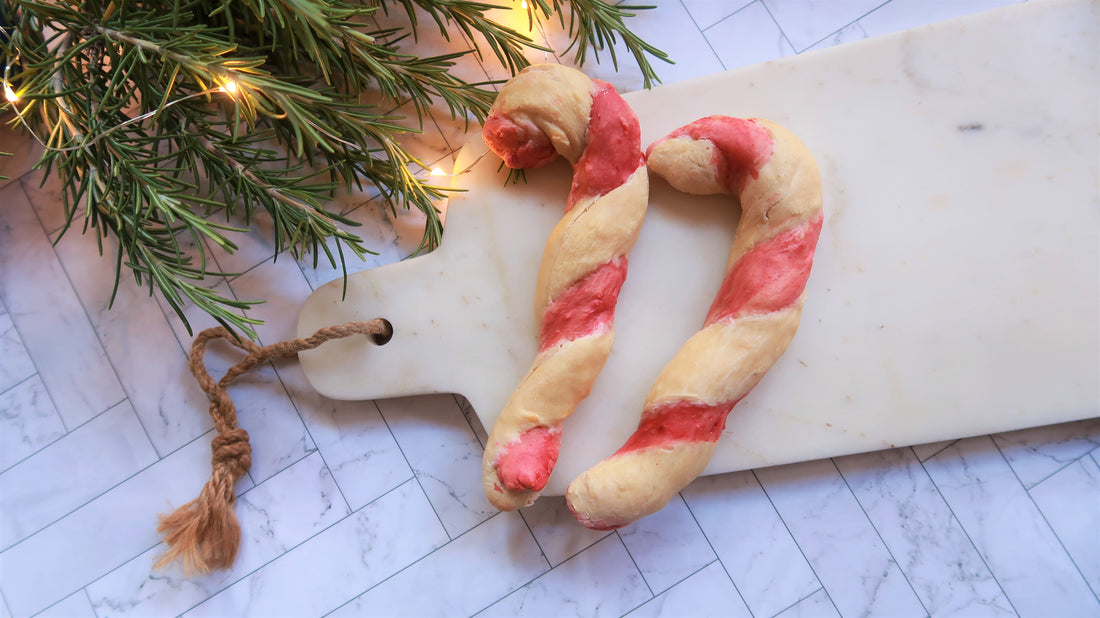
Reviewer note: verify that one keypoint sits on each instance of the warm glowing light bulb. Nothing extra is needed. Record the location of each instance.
(438, 172)
(230, 87)
(9, 94)
(523, 4)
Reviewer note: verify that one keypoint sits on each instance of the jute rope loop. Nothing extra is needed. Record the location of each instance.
(205, 533)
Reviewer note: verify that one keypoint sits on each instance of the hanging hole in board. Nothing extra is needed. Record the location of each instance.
(383, 337)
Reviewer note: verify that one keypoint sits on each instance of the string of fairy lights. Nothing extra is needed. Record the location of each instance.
(228, 86)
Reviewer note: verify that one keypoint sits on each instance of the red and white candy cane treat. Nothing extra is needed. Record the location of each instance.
(546, 111)
(750, 323)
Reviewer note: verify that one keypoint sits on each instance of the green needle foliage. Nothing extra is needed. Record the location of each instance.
(169, 120)
(596, 25)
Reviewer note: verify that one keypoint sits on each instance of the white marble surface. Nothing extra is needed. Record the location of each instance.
(373, 508)
(932, 161)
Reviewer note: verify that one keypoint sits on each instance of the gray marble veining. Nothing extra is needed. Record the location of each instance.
(372, 508)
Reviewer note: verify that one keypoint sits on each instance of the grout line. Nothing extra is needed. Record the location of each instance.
(945, 447)
(477, 58)
(439, 130)
(677, 583)
(703, 34)
(825, 38)
(62, 436)
(302, 269)
(65, 430)
(781, 30)
(424, 557)
(25, 180)
(703, 30)
(963, 528)
(541, 575)
(855, 21)
(292, 548)
(168, 320)
(33, 168)
(796, 543)
(88, 597)
(468, 421)
(274, 257)
(4, 598)
(42, 610)
(1045, 520)
(716, 556)
(95, 331)
(859, 24)
(242, 494)
(23, 340)
(342, 605)
(308, 433)
(780, 612)
(583, 549)
(187, 354)
(285, 551)
(520, 587)
(536, 539)
(515, 590)
(89, 500)
(305, 427)
(24, 380)
(37, 372)
(885, 545)
(116, 568)
(102, 493)
(640, 572)
(1047, 477)
(417, 477)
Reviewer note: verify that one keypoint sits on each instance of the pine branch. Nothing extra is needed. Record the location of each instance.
(507, 44)
(162, 118)
(596, 25)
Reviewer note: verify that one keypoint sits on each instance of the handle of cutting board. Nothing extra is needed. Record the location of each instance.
(413, 361)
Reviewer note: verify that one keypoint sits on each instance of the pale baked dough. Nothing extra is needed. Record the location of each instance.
(727, 358)
(556, 102)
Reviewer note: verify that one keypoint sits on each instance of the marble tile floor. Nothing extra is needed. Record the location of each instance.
(375, 508)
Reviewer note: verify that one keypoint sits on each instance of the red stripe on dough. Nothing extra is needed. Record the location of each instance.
(522, 146)
(743, 147)
(526, 464)
(770, 277)
(586, 307)
(614, 147)
(678, 422)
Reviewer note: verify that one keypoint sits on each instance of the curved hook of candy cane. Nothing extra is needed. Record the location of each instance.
(546, 111)
(750, 323)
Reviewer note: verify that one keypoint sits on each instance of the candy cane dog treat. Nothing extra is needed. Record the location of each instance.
(751, 321)
(545, 111)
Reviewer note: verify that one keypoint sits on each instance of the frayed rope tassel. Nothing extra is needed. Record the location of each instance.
(204, 533)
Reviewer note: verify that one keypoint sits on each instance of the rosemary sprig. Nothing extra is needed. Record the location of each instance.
(596, 25)
(172, 124)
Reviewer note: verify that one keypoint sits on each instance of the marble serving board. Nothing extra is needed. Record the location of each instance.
(955, 292)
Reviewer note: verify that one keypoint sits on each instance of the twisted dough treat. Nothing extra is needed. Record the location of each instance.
(748, 327)
(545, 111)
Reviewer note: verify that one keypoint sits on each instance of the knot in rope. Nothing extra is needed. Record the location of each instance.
(204, 533)
(232, 452)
